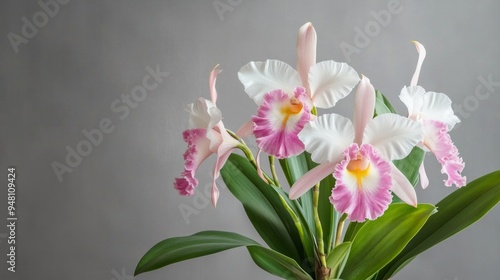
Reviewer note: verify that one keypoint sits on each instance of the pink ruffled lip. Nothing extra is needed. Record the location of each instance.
(438, 141)
(278, 121)
(363, 185)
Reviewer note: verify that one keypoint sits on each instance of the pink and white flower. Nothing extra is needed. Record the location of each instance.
(206, 135)
(360, 157)
(275, 83)
(433, 110)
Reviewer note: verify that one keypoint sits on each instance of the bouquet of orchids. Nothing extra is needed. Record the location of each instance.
(362, 172)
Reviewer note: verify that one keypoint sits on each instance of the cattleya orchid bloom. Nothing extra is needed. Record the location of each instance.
(206, 135)
(286, 96)
(360, 157)
(433, 110)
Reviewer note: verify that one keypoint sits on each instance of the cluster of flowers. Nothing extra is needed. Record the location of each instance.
(359, 154)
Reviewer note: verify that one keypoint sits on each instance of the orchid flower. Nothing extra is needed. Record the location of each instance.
(286, 96)
(206, 135)
(433, 110)
(360, 157)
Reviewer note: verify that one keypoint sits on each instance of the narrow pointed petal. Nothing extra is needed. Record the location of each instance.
(259, 78)
(327, 137)
(215, 194)
(364, 106)
(331, 81)
(306, 52)
(224, 150)
(393, 136)
(412, 97)
(438, 141)
(402, 187)
(311, 178)
(362, 193)
(424, 180)
(211, 81)
(421, 56)
(219, 163)
(245, 130)
(278, 121)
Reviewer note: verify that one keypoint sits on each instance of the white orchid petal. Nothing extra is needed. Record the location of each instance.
(327, 137)
(437, 106)
(393, 136)
(331, 81)
(203, 114)
(412, 97)
(259, 78)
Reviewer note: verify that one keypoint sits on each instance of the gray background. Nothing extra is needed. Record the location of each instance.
(119, 201)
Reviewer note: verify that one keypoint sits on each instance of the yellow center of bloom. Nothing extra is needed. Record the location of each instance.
(359, 168)
(293, 108)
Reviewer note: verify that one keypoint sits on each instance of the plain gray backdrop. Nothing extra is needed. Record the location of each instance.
(118, 201)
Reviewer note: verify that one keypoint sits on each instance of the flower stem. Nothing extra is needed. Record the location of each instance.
(340, 228)
(319, 228)
(273, 171)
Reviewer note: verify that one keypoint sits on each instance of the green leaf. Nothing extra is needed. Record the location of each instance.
(352, 230)
(337, 258)
(264, 208)
(277, 264)
(382, 104)
(457, 211)
(178, 249)
(204, 243)
(380, 240)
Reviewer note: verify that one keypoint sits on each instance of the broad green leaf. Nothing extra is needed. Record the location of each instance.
(277, 264)
(382, 104)
(178, 249)
(380, 240)
(352, 230)
(457, 211)
(337, 258)
(264, 207)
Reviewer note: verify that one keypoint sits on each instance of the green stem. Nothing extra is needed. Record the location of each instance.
(319, 228)
(340, 228)
(273, 171)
